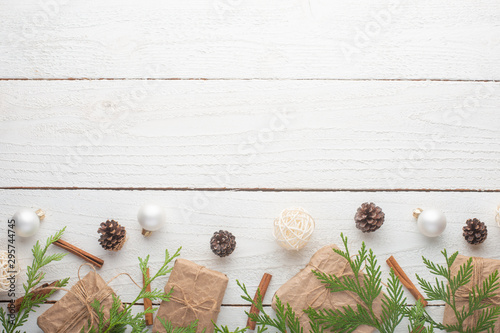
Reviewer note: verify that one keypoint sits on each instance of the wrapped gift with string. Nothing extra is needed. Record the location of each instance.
(197, 294)
(74, 311)
(482, 268)
(304, 290)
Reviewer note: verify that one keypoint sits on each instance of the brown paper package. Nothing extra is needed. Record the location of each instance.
(304, 290)
(197, 294)
(70, 314)
(482, 269)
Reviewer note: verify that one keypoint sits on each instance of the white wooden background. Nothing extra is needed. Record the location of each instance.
(227, 111)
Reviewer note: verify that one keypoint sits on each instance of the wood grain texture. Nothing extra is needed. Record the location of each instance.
(250, 134)
(382, 39)
(193, 217)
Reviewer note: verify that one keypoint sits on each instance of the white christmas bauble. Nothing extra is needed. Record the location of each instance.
(27, 222)
(431, 222)
(151, 217)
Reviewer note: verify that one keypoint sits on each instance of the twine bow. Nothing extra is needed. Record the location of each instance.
(462, 294)
(189, 305)
(80, 291)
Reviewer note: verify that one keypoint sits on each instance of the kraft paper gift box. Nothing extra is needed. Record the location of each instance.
(197, 295)
(482, 269)
(73, 311)
(304, 290)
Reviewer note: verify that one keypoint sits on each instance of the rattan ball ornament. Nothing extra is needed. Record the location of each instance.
(293, 228)
(8, 269)
(497, 216)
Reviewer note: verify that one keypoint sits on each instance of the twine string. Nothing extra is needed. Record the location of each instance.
(80, 291)
(189, 305)
(325, 292)
(462, 294)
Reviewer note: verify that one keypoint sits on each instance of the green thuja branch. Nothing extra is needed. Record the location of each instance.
(191, 328)
(476, 301)
(368, 287)
(417, 319)
(120, 316)
(225, 329)
(34, 276)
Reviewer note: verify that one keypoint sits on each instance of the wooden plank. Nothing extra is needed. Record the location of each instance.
(382, 39)
(230, 316)
(194, 216)
(250, 134)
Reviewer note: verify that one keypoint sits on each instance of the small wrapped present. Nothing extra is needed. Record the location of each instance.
(482, 269)
(304, 290)
(197, 295)
(73, 311)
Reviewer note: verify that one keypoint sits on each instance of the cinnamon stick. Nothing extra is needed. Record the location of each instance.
(148, 304)
(44, 289)
(405, 280)
(80, 253)
(264, 283)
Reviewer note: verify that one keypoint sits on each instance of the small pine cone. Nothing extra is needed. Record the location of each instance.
(222, 243)
(369, 217)
(475, 231)
(112, 235)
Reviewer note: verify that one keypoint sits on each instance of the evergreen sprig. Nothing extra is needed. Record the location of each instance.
(34, 276)
(417, 319)
(169, 327)
(286, 319)
(439, 291)
(225, 329)
(368, 288)
(120, 315)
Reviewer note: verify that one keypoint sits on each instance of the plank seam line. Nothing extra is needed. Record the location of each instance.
(237, 189)
(224, 305)
(246, 79)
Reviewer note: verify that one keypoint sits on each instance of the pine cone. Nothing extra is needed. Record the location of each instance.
(112, 235)
(369, 217)
(222, 243)
(475, 231)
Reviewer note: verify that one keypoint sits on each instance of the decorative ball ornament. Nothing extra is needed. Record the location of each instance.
(497, 216)
(430, 222)
(293, 228)
(7, 270)
(151, 218)
(27, 222)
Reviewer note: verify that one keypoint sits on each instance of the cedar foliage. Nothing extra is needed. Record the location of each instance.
(120, 316)
(34, 276)
(286, 320)
(477, 300)
(368, 287)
